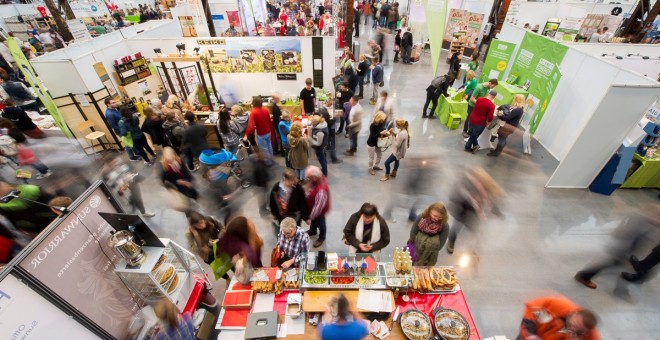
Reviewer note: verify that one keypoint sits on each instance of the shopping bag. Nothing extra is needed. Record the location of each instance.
(384, 143)
(275, 256)
(243, 271)
(527, 141)
(221, 263)
(127, 140)
(411, 250)
(25, 156)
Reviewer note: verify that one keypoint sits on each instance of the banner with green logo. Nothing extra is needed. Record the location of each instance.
(39, 88)
(537, 67)
(436, 9)
(497, 60)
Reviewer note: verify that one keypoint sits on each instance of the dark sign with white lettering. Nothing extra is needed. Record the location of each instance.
(287, 76)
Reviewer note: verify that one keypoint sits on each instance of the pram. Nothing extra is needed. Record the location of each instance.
(223, 165)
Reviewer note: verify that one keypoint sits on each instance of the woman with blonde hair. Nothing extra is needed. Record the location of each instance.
(173, 325)
(470, 84)
(429, 233)
(400, 145)
(377, 129)
(298, 150)
(510, 121)
(175, 175)
(173, 105)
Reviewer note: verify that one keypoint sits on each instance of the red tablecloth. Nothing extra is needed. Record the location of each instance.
(428, 302)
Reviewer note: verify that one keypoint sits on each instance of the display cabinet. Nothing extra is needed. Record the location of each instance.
(133, 70)
(342, 271)
(167, 272)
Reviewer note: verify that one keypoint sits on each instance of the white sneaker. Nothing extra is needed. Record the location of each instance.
(42, 176)
(148, 214)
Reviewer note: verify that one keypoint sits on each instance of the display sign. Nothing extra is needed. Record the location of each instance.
(537, 67)
(287, 76)
(187, 26)
(268, 55)
(568, 29)
(76, 263)
(456, 22)
(39, 88)
(27, 315)
(211, 41)
(78, 29)
(475, 20)
(436, 9)
(88, 10)
(497, 60)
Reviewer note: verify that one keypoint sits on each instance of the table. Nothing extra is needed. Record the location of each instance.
(294, 110)
(646, 176)
(317, 300)
(449, 105)
(425, 302)
(505, 93)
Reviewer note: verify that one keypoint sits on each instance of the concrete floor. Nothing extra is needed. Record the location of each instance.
(544, 238)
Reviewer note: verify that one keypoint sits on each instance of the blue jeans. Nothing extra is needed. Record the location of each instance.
(266, 147)
(389, 161)
(300, 173)
(354, 137)
(141, 147)
(475, 132)
(131, 153)
(318, 223)
(332, 145)
(188, 155)
(320, 154)
(406, 54)
(375, 23)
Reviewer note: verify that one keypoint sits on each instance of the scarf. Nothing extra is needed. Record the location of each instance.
(359, 233)
(427, 226)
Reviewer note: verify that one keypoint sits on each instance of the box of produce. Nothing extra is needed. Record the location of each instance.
(434, 280)
(291, 279)
(393, 279)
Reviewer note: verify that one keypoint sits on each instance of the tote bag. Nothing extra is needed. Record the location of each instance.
(127, 140)
(221, 263)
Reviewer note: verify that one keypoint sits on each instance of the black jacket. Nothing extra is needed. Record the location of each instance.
(194, 138)
(17, 115)
(407, 39)
(154, 128)
(349, 233)
(296, 207)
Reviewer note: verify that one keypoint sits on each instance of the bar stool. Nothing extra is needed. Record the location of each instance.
(93, 135)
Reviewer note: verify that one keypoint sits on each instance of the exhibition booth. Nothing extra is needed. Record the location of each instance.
(240, 68)
(573, 98)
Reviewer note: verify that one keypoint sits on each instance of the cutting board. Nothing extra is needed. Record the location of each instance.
(318, 300)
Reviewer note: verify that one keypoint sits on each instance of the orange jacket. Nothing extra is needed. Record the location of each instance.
(547, 315)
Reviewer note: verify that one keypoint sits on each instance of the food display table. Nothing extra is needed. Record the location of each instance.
(506, 91)
(647, 174)
(453, 104)
(316, 296)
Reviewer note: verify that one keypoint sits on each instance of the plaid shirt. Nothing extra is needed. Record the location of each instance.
(295, 247)
(185, 330)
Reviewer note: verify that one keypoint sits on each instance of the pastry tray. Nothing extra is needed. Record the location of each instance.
(456, 288)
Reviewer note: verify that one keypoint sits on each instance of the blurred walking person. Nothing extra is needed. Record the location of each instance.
(557, 317)
(259, 121)
(125, 182)
(318, 139)
(318, 203)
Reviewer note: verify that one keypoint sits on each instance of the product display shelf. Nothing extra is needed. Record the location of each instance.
(151, 283)
(133, 71)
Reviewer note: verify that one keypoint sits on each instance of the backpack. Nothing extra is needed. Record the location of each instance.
(172, 139)
(437, 81)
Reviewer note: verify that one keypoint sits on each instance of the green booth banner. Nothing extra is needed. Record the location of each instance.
(537, 67)
(39, 88)
(497, 60)
(436, 9)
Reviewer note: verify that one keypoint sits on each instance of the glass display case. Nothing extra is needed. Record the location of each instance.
(342, 271)
(168, 271)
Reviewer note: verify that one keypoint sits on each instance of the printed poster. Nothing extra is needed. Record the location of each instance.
(76, 263)
(537, 66)
(279, 55)
(568, 29)
(78, 29)
(499, 55)
(233, 18)
(187, 26)
(457, 22)
(18, 304)
(474, 22)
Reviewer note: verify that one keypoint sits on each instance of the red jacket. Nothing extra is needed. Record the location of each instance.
(259, 119)
(548, 316)
(318, 200)
(482, 113)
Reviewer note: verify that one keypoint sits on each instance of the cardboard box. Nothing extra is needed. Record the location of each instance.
(205, 329)
(238, 299)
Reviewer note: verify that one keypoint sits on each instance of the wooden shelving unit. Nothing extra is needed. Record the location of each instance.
(132, 71)
(457, 43)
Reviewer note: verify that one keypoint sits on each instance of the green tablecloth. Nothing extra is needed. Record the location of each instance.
(646, 176)
(505, 93)
(450, 105)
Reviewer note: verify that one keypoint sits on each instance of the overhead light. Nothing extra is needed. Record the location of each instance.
(645, 57)
(158, 50)
(604, 54)
(619, 57)
(630, 54)
(196, 49)
(182, 48)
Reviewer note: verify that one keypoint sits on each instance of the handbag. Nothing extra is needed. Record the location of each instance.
(221, 263)
(276, 256)
(506, 130)
(25, 156)
(411, 250)
(384, 143)
(127, 140)
(381, 84)
(244, 271)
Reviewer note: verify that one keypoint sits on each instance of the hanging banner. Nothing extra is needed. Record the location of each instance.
(456, 22)
(78, 29)
(475, 20)
(273, 55)
(39, 88)
(187, 26)
(536, 69)
(497, 60)
(436, 9)
(18, 306)
(87, 10)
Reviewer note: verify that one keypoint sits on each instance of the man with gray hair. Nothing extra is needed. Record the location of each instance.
(157, 105)
(293, 242)
(318, 203)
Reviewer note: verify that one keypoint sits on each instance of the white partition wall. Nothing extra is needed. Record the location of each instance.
(621, 108)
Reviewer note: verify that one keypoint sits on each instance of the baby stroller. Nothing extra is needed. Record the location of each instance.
(223, 165)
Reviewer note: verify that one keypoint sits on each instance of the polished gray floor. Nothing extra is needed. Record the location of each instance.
(544, 238)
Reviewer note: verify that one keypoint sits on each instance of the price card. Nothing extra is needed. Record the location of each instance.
(260, 276)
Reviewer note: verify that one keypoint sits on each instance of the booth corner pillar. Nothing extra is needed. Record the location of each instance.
(62, 27)
(31, 77)
(209, 19)
(350, 16)
(436, 9)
